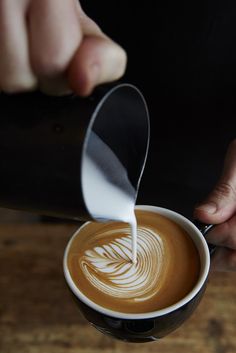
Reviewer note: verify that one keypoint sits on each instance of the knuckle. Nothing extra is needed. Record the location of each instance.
(225, 189)
(50, 65)
(226, 234)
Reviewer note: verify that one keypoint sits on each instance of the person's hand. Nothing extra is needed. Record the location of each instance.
(54, 46)
(220, 208)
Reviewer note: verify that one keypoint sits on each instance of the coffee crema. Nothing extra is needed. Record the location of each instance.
(167, 265)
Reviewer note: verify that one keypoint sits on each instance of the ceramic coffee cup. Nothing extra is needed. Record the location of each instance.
(154, 325)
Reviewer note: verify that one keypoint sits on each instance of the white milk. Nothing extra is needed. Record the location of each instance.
(104, 199)
(107, 266)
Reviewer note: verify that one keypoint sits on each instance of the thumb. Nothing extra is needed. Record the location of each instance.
(98, 59)
(220, 204)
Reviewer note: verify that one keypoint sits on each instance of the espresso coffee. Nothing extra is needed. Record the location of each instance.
(166, 270)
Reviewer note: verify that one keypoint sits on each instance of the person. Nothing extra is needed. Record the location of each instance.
(219, 208)
(52, 45)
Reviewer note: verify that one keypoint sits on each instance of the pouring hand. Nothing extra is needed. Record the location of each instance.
(54, 45)
(220, 208)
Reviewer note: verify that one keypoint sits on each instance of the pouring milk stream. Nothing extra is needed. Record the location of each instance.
(113, 160)
(106, 200)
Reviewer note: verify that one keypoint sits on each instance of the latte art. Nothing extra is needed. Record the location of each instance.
(167, 267)
(109, 269)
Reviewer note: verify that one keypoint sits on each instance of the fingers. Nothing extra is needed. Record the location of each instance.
(97, 60)
(220, 208)
(224, 237)
(15, 69)
(54, 36)
(220, 205)
(48, 42)
(224, 260)
(224, 234)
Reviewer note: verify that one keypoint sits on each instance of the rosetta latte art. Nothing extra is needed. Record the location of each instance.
(109, 269)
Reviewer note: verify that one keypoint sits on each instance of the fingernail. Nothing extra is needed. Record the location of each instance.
(208, 208)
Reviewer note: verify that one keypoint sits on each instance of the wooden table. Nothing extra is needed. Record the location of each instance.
(37, 314)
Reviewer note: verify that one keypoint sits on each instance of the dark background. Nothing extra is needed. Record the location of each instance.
(182, 56)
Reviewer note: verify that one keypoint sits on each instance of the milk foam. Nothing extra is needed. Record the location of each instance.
(167, 268)
(107, 268)
(108, 193)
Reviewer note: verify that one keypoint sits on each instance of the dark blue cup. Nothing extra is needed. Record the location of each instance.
(154, 325)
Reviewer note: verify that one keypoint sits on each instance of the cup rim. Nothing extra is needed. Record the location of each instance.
(156, 313)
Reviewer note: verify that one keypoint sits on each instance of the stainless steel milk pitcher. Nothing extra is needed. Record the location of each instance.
(44, 142)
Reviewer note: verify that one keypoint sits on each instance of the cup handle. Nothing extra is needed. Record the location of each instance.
(204, 229)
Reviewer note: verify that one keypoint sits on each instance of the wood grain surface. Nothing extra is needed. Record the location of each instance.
(38, 315)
